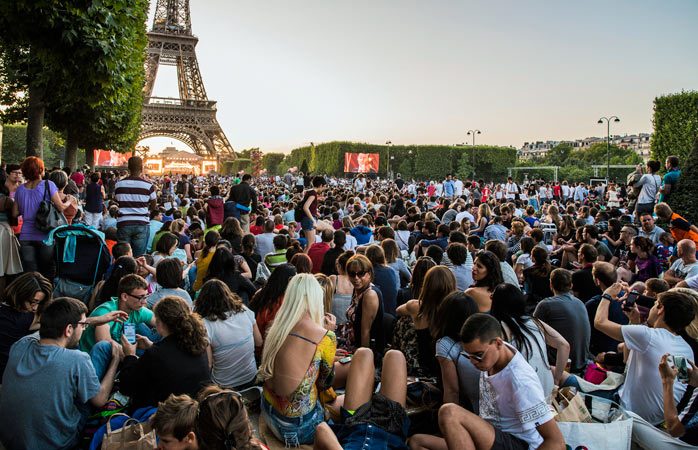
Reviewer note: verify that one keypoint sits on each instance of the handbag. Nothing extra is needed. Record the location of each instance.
(48, 216)
(611, 429)
(69, 288)
(570, 406)
(133, 434)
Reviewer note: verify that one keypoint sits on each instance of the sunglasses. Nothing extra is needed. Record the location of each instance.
(356, 274)
(475, 357)
(137, 297)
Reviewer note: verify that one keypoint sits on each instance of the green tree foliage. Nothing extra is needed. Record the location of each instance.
(272, 162)
(675, 125)
(14, 146)
(683, 200)
(81, 63)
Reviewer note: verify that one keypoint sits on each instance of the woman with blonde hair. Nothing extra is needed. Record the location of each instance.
(553, 216)
(327, 290)
(395, 262)
(297, 363)
(483, 219)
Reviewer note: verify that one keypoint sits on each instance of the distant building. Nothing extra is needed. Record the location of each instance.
(539, 149)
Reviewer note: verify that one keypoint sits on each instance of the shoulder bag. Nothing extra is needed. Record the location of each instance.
(48, 216)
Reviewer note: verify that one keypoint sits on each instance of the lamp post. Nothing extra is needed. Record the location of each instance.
(389, 144)
(608, 142)
(473, 132)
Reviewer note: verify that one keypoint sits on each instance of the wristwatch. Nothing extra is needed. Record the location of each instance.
(607, 297)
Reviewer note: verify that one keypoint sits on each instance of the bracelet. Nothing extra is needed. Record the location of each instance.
(607, 297)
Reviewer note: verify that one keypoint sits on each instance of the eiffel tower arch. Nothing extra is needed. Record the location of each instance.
(191, 118)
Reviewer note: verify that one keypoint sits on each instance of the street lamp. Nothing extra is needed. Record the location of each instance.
(388, 143)
(473, 132)
(608, 142)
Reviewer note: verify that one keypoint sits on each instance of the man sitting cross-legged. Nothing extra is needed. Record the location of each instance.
(513, 412)
(47, 383)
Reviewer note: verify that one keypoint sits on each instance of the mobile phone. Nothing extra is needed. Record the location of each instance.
(630, 301)
(682, 366)
(345, 360)
(130, 332)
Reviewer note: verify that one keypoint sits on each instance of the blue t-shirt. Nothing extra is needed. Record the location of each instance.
(44, 392)
(362, 234)
(671, 178)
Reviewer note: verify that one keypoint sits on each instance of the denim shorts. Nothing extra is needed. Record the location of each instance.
(293, 431)
(307, 223)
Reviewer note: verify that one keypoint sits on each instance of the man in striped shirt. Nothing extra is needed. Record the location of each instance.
(135, 197)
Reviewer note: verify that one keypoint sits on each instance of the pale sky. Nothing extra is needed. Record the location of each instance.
(285, 73)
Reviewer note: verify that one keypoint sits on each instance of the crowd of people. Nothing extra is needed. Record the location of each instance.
(334, 296)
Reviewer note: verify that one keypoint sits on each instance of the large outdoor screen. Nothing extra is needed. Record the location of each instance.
(361, 162)
(110, 158)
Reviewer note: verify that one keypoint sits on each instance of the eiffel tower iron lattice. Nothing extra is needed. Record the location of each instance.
(191, 118)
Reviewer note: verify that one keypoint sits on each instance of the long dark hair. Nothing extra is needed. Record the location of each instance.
(215, 300)
(424, 263)
(494, 270)
(451, 314)
(508, 306)
(186, 326)
(274, 288)
(222, 263)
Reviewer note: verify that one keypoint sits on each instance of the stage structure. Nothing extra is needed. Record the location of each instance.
(191, 118)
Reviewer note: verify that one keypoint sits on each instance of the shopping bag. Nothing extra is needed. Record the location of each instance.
(570, 406)
(133, 435)
(611, 430)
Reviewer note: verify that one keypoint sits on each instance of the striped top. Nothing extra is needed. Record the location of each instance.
(133, 195)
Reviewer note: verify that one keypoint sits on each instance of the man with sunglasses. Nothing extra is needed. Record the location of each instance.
(132, 294)
(513, 412)
(47, 385)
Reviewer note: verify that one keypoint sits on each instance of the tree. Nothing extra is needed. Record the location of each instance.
(75, 58)
(683, 200)
(272, 162)
(559, 154)
(304, 167)
(675, 125)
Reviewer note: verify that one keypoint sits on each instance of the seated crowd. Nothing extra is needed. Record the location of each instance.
(333, 298)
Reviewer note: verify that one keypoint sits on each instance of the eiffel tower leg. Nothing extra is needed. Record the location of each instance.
(152, 62)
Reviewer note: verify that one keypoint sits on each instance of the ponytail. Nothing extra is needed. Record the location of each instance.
(185, 326)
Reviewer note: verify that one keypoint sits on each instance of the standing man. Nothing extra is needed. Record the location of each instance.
(135, 197)
(458, 186)
(670, 179)
(288, 179)
(512, 189)
(245, 198)
(449, 187)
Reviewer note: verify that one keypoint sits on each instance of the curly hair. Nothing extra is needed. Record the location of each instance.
(185, 325)
(215, 300)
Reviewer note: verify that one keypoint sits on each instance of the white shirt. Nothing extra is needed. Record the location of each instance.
(462, 214)
(439, 189)
(684, 271)
(458, 186)
(642, 391)
(513, 400)
(351, 243)
(650, 186)
(512, 189)
(565, 190)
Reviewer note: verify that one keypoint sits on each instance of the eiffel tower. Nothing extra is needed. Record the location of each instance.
(191, 118)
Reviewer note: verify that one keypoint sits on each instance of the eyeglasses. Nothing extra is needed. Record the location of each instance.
(84, 325)
(137, 297)
(33, 302)
(16, 172)
(356, 274)
(477, 358)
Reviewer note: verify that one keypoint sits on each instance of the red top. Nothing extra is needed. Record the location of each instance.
(316, 252)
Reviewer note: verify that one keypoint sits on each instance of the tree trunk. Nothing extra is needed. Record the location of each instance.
(71, 148)
(35, 121)
(90, 158)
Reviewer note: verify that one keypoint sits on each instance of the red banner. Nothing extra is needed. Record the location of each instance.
(361, 162)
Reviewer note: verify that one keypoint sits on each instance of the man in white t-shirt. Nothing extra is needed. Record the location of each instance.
(513, 412)
(671, 313)
(511, 188)
(565, 189)
(458, 186)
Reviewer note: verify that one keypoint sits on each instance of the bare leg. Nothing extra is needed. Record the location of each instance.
(464, 430)
(394, 377)
(427, 442)
(359, 387)
(325, 438)
(341, 372)
(309, 238)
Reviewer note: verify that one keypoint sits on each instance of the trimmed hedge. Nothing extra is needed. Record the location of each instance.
(422, 162)
(683, 201)
(675, 125)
